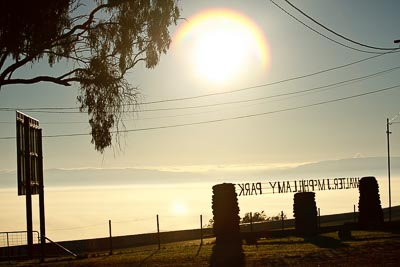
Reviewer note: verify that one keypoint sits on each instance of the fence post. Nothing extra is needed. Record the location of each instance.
(283, 228)
(8, 249)
(251, 222)
(319, 218)
(158, 233)
(201, 229)
(354, 212)
(109, 228)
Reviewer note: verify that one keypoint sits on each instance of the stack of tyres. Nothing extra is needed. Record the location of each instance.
(226, 213)
(369, 206)
(305, 213)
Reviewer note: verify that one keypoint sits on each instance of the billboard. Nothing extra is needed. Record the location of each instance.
(29, 154)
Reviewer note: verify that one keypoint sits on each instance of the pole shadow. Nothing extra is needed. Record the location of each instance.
(146, 259)
(198, 251)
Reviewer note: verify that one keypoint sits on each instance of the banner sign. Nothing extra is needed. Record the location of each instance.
(303, 185)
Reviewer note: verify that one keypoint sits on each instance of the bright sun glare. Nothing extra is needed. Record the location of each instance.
(223, 43)
(219, 53)
(179, 208)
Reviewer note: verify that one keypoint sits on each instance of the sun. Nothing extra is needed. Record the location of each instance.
(179, 208)
(219, 53)
(223, 44)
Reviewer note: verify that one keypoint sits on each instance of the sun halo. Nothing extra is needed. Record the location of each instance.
(223, 44)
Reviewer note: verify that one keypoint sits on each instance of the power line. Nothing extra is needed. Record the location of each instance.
(232, 102)
(338, 34)
(263, 113)
(278, 95)
(269, 84)
(325, 36)
(44, 109)
(225, 119)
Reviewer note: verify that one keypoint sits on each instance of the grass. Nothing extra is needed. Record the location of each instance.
(363, 249)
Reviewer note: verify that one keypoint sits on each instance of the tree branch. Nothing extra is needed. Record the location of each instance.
(65, 56)
(3, 59)
(62, 77)
(15, 66)
(36, 80)
(84, 26)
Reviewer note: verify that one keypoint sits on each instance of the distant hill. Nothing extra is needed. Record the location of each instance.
(356, 167)
(375, 164)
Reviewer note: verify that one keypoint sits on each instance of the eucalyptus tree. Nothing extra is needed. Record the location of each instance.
(99, 41)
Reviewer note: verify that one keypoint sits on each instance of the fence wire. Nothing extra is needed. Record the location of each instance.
(17, 238)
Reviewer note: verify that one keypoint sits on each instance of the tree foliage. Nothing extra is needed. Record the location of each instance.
(102, 39)
(254, 217)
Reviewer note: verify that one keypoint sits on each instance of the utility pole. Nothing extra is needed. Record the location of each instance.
(388, 153)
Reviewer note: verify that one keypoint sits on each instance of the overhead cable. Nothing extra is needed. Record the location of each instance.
(216, 93)
(338, 34)
(224, 119)
(325, 36)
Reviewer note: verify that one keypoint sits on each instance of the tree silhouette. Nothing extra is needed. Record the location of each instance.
(254, 217)
(261, 217)
(96, 42)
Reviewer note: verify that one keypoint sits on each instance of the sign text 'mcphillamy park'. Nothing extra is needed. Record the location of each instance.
(303, 185)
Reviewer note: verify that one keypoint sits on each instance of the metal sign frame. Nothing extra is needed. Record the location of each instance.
(30, 173)
(29, 160)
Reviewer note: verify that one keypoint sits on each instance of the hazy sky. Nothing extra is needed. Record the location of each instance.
(272, 47)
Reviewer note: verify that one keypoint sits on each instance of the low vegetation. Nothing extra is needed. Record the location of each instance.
(254, 217)
(261, 217)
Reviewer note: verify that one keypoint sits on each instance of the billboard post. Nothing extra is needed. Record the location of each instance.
(30, 172)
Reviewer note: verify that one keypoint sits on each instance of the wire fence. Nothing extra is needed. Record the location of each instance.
(166, 229)
(144, 225)
(17, 238)
(129, 226)
(148, 225)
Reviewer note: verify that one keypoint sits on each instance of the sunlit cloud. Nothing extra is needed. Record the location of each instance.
(193, 168)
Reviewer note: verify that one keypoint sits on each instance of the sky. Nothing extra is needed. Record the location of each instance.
(250, 45)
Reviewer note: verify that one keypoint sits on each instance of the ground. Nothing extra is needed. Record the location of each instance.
(363, 249)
